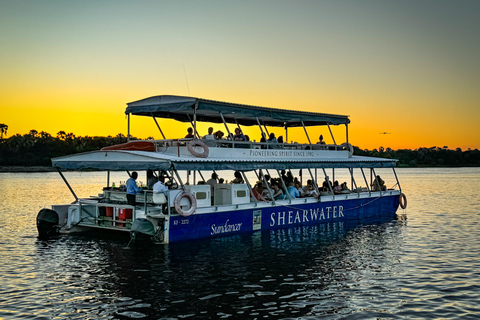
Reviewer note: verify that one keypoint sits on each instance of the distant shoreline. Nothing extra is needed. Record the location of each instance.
(27, 169)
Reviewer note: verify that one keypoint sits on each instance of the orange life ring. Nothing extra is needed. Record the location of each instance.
(197, 143)
(193, 203)
(403, 201)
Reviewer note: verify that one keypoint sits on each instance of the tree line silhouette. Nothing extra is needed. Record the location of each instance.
(37, 148)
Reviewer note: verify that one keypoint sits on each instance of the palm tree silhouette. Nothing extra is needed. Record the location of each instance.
(3, 130)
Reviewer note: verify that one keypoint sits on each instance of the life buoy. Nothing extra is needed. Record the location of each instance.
(349, 147)
(193, 203)
(197, 143)
(403, 201)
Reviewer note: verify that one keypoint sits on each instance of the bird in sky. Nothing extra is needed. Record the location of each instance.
(385, 133)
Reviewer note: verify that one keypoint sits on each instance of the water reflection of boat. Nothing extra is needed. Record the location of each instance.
(198, 210)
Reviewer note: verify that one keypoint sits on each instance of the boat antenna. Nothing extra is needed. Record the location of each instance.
(186, 79)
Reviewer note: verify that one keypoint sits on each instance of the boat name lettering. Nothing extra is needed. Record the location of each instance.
(280, 153)
(301, 216)
(225, 228)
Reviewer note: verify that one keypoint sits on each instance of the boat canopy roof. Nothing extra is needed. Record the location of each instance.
(185, 108)
(117, 160)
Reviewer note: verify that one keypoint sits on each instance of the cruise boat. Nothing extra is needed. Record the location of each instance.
(191, 208)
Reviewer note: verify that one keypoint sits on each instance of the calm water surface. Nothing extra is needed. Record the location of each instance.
(424, 267)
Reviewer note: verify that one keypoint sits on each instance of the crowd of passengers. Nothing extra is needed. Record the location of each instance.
(273, 141)
(265, 189)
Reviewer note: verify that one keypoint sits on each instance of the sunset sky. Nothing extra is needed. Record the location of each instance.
(409, 68)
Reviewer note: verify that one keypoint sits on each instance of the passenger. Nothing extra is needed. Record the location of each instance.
(263, 139)
(336, 187)
(151, 179)
(320, 140)
(221, 180)
(327, 184)
(273, 142)
(247, 138)
(238, 135)
(378, 184)
(299, 188)
(238, 177)
(306, 188)
(293, 191)
(212, 182)
(280, 139)
(219, 135)
(289, 178)
(189, 133)
(257, 192)
(132, 189)
(344, 187)
(284, 177)
(159, 186)
(278, 192)
(210, 135)
(311, 192)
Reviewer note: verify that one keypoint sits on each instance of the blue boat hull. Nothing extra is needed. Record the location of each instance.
(240, 221)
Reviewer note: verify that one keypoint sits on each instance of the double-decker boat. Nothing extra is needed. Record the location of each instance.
(194, 208)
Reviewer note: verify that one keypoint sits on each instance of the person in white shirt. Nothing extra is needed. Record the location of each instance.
(210, 135)
(159, 187)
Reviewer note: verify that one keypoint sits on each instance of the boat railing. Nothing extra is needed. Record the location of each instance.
(177, 143)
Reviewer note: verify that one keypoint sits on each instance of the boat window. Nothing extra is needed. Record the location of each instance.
(201, 195)
(241, 193)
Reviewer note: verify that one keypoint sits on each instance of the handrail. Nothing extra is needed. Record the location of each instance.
(249, 144)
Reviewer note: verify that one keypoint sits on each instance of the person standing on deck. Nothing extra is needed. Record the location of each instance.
(132, 189)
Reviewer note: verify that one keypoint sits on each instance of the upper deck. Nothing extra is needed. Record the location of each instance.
(203, 154)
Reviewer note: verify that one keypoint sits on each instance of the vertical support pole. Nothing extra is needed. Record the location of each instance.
(68, 185)
(314, 180)
(365, 178)
(396, 178)
(353, 183)
(331, 133)
(195, 134)
(249, 186)
(284, 187)
(346, 128)
(128, 128)
(226, 127)
(158, 126)
(305, 129)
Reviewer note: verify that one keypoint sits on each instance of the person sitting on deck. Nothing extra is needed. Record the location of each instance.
(320, 140)
(210, 135)
(336, 187)
(160, 186)
(278, 192)
(238, 135)
(293, 191)
(263, 139)
(327, 185)
(257, 192)
(132, 189)
(238, 177)
(299, 188)
(189, 133)
(273, 142)
(378, 184)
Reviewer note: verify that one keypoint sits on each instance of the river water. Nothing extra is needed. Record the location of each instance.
(423, 266)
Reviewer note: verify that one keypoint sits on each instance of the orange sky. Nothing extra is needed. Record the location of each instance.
(407, 68)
